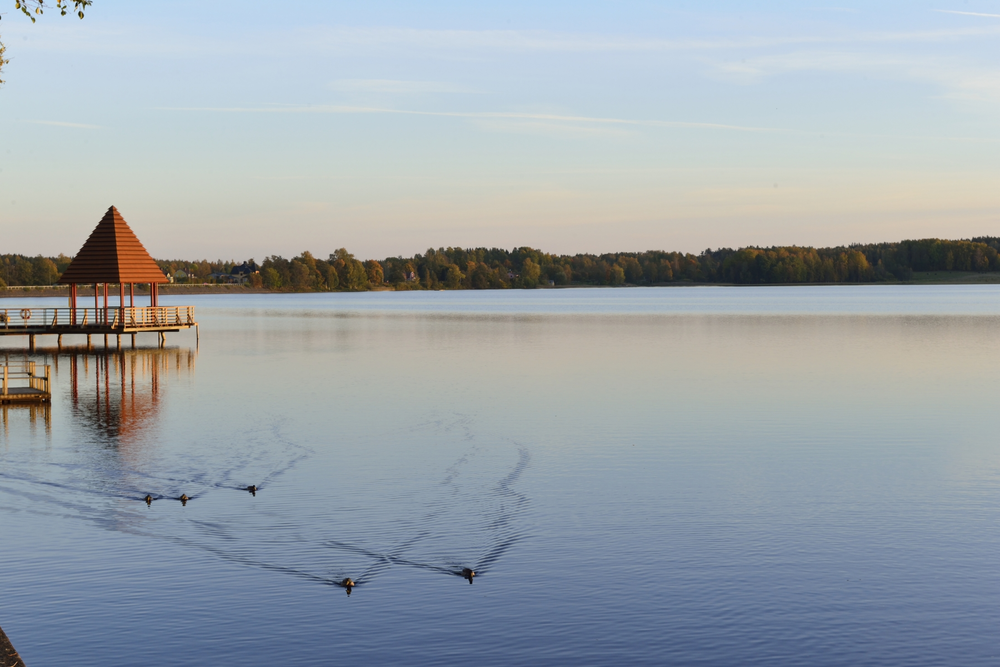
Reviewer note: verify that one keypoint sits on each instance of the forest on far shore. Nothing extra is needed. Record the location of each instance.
(497, 268)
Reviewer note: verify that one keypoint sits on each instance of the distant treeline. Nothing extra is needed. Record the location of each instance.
(23, 270)
(496, 268)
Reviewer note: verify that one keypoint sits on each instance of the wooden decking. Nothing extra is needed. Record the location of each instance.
(21, 384)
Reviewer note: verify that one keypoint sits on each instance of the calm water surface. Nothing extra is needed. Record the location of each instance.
(713, 476)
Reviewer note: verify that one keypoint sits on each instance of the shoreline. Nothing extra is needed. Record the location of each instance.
(61, 291)
(8, 655)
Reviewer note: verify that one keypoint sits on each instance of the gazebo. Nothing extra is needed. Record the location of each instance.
(113, 255)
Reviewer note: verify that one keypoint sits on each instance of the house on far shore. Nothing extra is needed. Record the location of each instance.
(242, 273)
(239, 274)
(223, 278)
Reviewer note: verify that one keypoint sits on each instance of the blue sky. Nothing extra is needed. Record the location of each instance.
(239, 129)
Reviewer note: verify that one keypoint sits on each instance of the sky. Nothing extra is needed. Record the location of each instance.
(238, 130)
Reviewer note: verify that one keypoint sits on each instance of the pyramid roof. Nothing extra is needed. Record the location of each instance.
(112, 254)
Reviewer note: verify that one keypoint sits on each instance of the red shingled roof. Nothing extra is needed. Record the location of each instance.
(112, 254)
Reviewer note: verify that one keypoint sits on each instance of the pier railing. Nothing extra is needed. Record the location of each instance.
(113, 317)
(23, 377)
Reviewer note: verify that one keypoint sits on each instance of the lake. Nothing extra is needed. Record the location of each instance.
(716, 476)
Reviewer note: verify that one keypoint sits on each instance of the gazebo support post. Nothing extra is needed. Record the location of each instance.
(72, 304)
(97, 303)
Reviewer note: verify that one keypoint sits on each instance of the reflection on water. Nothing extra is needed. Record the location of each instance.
(115, 468)
(109, 402)
(34, 413)
(114, 393)
(727, 481)
(117, 393)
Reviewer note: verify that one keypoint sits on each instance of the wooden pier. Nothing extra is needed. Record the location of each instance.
(107, 321)
(111, 255)
(22, 385)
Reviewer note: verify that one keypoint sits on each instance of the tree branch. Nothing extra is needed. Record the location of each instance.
(33, 8)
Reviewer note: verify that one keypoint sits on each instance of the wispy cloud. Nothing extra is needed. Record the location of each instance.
(953, 11)
(546, 123)
(396, 87)
(60, 123)
(121, 39)
(339, 37)
(958, 79)
(550, 128)
(484, 115)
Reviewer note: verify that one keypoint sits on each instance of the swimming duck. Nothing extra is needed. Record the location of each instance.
(348, 584)
(468, 574)
(184, 499)
(148, 499)
(253, 490)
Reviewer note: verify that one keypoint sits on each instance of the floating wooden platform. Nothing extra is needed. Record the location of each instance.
(21, 384)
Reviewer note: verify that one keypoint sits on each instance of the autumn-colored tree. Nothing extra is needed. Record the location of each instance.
(351, 273)
(530, 273)
(301, 275)
(617, 275)
(46, 272)
(453, 277)
(332, 278)
(632, 268)
(374, 272)
(271, 278)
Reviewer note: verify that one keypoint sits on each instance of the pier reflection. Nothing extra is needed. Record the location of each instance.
(34, 414)
(114, 395)
(117, 394)
(31, 414)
